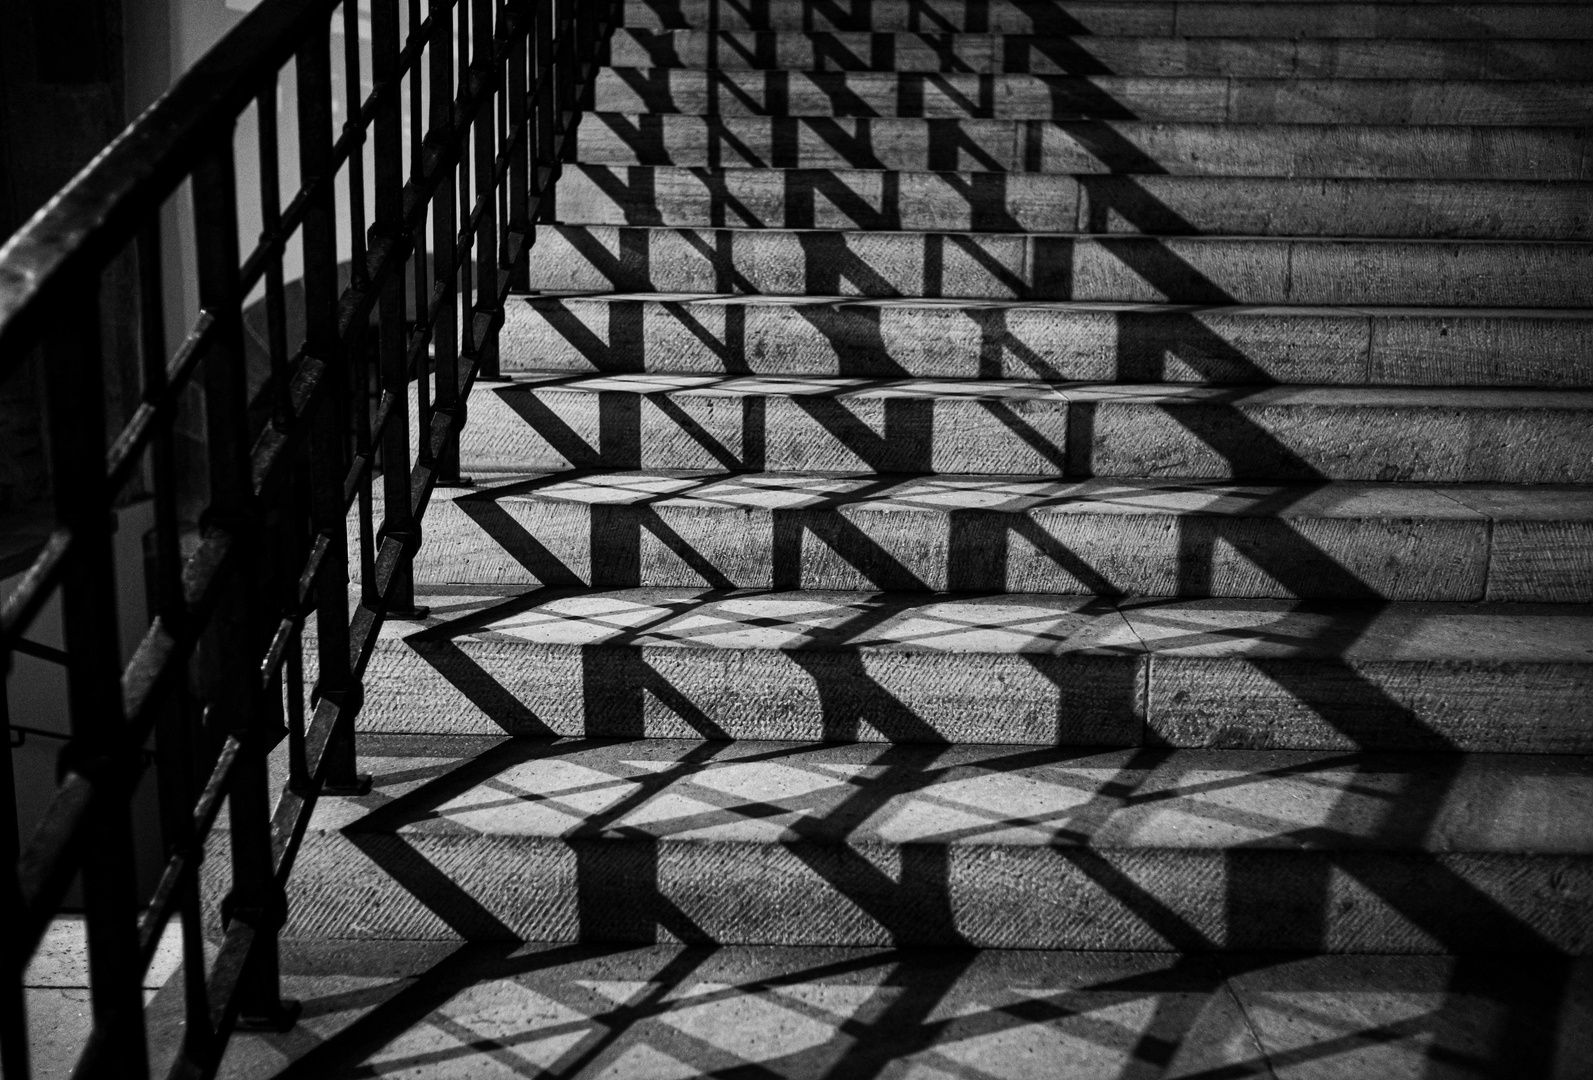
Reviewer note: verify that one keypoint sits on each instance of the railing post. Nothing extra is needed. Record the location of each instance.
(13, 1001)
(521, 162)
(445, 240)
(99, 748)
(547, 109)
(237, 631)
(398, 518)
(175, 759)
(326, 423)
(486, 151)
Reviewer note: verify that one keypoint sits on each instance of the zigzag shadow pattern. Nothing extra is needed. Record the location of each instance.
(1292, 885)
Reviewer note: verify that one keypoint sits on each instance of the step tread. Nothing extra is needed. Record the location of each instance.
(671, 1010)
(941, 303)
(1020, 96)
(1090, 146)
(1369, 242)
(1203, 19)
(707, 385)
(925, 51)
(1006, 624)
(748, 492)
(862, 795)
(918, 200)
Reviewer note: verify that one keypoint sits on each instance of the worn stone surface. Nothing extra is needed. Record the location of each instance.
(797, 844)
(1321, 58)
(779, 424)
(1036, 202)
(1058, 341)
(1407, 434)
(1200, 18)
(1037, 668)
(1192, 99)
(1110, 537)
(390, 1009)
(1219, 270)
(1089, 148)
(1428, 435)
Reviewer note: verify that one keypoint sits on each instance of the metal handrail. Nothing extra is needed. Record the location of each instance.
(494, 91)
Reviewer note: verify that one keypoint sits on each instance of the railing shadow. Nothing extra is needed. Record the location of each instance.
(1496, 1015)
(620, 898)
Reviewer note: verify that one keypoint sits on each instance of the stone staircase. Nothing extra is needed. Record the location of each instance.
(1104, 476)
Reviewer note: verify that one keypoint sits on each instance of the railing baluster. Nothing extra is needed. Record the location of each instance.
(420, 338)
(99, 749)
(174, 758)
(326, 421)
(354, 91)
(238, 629)
(13, 1001)
(518, 217)
(547, 119)
(469, 349)
(444, 232)
(486, 150)
(398, 517)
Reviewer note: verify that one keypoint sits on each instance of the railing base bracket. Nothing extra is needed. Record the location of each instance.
(279, 1020)
(360, 786)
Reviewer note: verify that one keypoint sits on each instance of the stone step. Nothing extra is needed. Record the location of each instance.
(928, 51)
(1040, 669)
(1184, 99)
(991, 846)
(1117, 18)
(1092, 147)
(784, 424)
(1059, 342)
(1050, 202)
(823, 1012)
(674, 528)
(1038, 266)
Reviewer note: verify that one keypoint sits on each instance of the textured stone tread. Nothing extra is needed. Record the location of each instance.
(812, 1013)
(1039, 669)
(1119, 147)
(1040, 266)
(1147, 56)
(1186, 99)
(812, 424)
(982, 534)
(1051, 340)
(1202, 18)
(1039, 202)
(994, 846)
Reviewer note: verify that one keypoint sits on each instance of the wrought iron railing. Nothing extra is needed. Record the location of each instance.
(472, 106)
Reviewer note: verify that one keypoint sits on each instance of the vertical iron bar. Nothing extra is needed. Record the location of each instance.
(421, 297)
(398, 517)
(13, 999)
(519, 136)
(99, 747)
(486, 148)
(444, 229)
(466, 238)
(175, 762)
(360, 390)
(354, 97)
(271, 214)
(237, 631)
(326, 423)
(547, 109)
